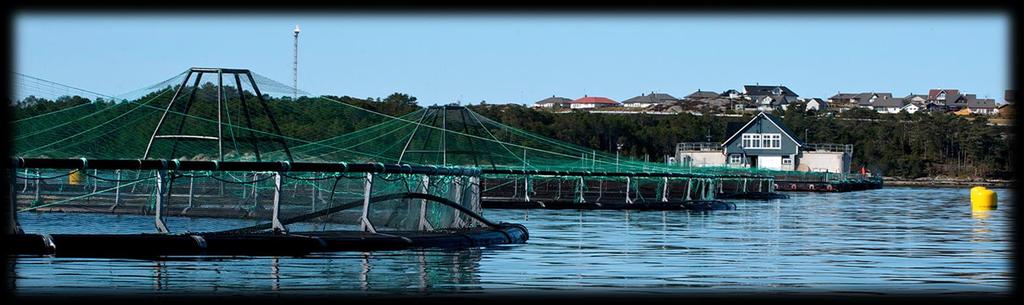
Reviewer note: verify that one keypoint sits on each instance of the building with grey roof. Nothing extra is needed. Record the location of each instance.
(758, 90)
(646, 100)
(553, 102)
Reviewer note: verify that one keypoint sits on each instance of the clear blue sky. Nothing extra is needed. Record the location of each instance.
(442, 58)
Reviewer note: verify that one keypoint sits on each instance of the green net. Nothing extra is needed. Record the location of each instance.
(242, 116)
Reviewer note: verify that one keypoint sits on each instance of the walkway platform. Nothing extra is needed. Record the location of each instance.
(691, 205)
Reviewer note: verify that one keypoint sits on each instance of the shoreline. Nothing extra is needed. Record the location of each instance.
(931, 182)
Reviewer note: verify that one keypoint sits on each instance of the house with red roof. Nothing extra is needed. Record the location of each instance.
(590, 102)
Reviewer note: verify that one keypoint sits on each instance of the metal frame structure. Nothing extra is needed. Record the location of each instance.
(221, 108)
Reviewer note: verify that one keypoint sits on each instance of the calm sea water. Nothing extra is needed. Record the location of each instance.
(889, 241)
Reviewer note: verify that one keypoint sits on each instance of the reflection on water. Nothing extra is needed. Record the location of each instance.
(894, 240)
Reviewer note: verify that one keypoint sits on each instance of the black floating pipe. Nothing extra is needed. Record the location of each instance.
(359, 202)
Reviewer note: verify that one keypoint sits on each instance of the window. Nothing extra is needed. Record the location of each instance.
(762, 141)
(735, 159)
(787, 160)
(751, 140)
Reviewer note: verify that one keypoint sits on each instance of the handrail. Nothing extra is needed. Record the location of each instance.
(283, 166)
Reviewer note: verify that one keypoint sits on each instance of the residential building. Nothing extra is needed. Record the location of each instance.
(941, 95)
(869, 99)
(772, 102)
(590, 102)
(758, 90)
(702, 95)
(815, 104)
(910, 107)
(647, 100)
(764, 142)
(919, 99)
(553, 102)
(889, 105)
(982, 106)
(841, 98)
(731, 94)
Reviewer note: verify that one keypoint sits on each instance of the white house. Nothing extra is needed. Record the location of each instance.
(910, 108)
(816, 104)
(553, 102)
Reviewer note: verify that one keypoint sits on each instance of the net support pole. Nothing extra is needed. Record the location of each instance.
(664, 190)
(160, 189)
(579, 190)
(255, 201)
(424, 224)
(275, 222)
(191, 192)
(526, 187)
(95, 182)
(474, 199)
(11, 226)
(25, 188)
(457, 219)
(364, 221)
(629, 184)
(220, 123)
(117, 191)
(312, 196)
(37, 182)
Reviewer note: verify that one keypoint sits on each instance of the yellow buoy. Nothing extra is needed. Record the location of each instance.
(76, 177)
(983, 198)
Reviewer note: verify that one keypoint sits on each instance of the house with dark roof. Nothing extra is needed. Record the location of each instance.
(764, 142)
(869, 99)
(772, 102)
(590, 102)
(647, 100)
(731, 93)
(1005, 110)
(843, 98)
(758, 90)
(982, 106)
(553, 102)
(700, 95)
(888, 105)
(956, 102)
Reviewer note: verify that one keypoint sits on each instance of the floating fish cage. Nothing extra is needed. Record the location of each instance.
(508, 189)
(311, 207)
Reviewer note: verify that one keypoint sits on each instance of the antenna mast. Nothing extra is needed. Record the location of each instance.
(295, 66)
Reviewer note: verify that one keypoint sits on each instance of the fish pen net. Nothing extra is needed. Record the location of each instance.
(355, 197)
